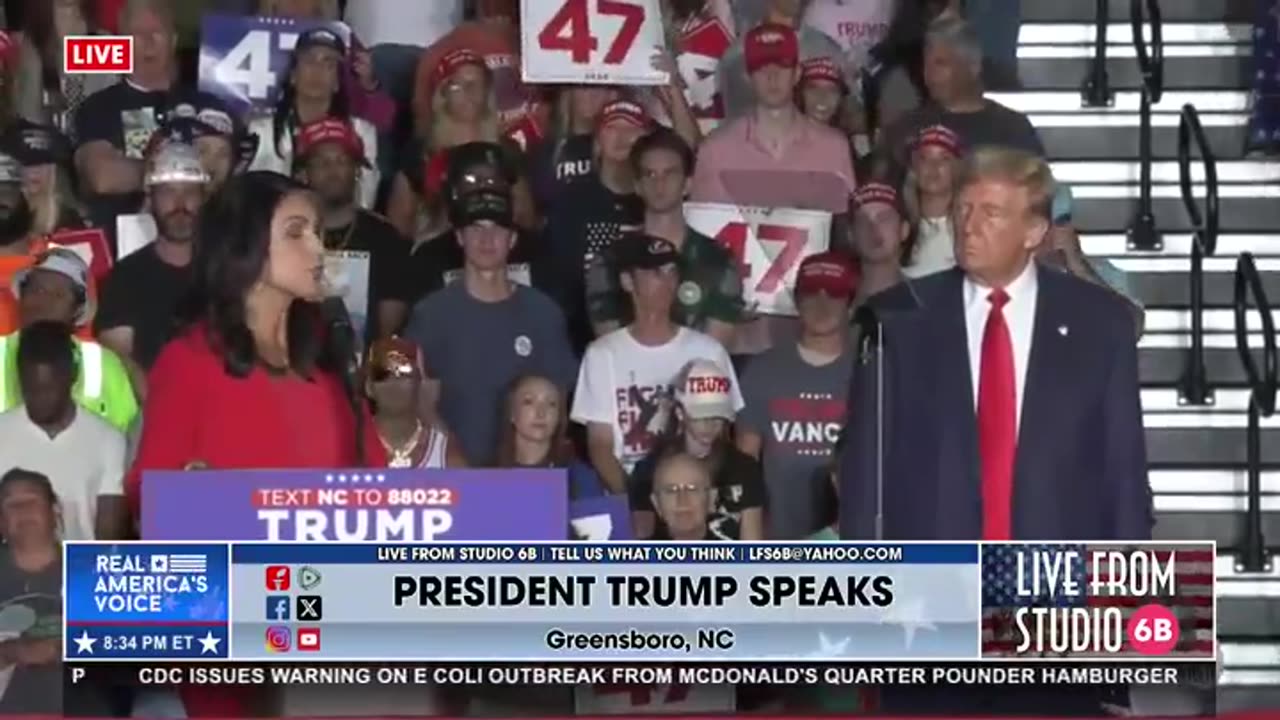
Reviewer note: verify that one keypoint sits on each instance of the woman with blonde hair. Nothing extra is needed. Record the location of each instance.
(928, 193)
(463, 110)
(46, 182)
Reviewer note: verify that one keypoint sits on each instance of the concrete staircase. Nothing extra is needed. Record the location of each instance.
(1197, 452)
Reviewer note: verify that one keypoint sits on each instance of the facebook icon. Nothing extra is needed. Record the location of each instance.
(278, 608)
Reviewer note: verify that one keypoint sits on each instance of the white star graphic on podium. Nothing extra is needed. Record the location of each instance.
(84, 643)
(209, 643)
(910, 616)
(829, 649)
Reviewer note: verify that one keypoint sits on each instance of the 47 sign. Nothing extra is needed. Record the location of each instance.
(768, 245)
(243, 59)
(591, 41)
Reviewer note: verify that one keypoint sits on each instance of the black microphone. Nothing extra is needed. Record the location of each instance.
(341, 339)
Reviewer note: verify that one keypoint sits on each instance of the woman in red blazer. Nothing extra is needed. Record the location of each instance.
(252, 382)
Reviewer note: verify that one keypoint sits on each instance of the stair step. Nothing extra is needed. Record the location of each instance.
(1223, 527)
(1064, 68)
(1246, 617)
(1198, 445)
(1121, 142)
(1082, 11)
(1119, 34)
(1230, 245)
(1163, 172)
(1114, 211)
(1162, 360)
(1215, 320)
(1226, 400)
(1173, 289)
(1126, 102)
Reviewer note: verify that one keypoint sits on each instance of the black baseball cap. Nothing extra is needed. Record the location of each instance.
(638, 251)
(477, 164)
(490, 204)
(320, 37)
(33, 144)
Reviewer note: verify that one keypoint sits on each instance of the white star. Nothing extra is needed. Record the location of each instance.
(828, 649)
(84, 643)
(209, 643)
(910, 615)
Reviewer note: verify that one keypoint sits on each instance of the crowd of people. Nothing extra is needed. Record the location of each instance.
(535, 297)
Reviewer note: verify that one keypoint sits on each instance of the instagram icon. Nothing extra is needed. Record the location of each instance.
(278, 639)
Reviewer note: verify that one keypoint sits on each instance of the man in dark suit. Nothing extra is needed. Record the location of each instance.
(1011, 401)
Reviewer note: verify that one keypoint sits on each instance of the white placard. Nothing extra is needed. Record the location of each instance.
(134, 232)
(768, 245)
(654, 700)
(591, 41)
(346, 274)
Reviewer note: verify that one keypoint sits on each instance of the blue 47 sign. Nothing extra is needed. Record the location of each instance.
(243, 60)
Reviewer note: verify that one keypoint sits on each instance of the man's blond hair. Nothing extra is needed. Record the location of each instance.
(1015, 167)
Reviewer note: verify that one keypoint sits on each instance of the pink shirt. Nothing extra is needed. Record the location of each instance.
(814, 171)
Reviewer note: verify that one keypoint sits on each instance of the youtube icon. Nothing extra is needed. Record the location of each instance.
(307, 639)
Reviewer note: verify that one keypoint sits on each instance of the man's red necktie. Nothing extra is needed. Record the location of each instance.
(997, 422)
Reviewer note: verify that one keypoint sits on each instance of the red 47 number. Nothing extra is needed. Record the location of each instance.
(644, 695)
(734, 238)
(569, 30)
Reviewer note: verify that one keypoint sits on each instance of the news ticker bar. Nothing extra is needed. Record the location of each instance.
(1200, 676)
(579, 602)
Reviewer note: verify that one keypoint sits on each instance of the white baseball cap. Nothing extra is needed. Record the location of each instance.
(65, 262)
(175, 162)
(705, 391)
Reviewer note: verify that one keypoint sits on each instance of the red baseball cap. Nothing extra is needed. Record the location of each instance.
(822, 68)
(771, 44)
(869, 193)
(453, 60)
(623, 111)
(828, 272)
(939, 136)
(335, 131)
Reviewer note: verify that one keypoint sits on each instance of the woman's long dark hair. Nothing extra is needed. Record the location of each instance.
(231, 254)
(38, 23)
(285, 118)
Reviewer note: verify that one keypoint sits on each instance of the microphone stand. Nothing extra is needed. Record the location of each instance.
(342, 343)
(871, 349)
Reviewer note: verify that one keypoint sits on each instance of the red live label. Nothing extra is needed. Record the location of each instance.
(97, 54)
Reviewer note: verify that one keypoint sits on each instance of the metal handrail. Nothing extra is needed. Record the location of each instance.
(1143, 234)
(1262, 403)
(1194, 386)
(1096, 89)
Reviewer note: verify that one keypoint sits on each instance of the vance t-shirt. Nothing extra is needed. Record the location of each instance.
(798, 410)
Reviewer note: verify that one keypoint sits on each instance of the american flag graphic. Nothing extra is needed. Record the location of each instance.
(1191, 600)
(188, 564)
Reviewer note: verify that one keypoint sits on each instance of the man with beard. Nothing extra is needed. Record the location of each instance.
(366, 257)
(17, 247)
(141, 295)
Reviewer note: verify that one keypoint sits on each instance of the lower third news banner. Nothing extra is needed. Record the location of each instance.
(586, 614)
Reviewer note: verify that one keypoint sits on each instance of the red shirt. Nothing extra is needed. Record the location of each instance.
(196, 412)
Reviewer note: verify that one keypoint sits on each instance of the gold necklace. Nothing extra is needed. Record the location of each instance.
(402, 456)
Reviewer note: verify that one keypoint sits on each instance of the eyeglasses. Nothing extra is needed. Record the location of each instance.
(685, 489)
